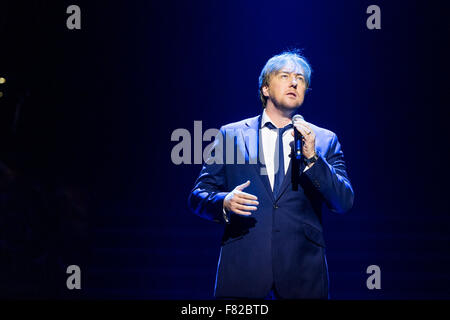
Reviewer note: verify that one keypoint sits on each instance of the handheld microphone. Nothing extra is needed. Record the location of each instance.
(297, 137)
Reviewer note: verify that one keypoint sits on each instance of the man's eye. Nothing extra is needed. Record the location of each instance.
(284, 76)
(300, 79)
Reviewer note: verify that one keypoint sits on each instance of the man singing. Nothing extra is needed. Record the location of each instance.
(273, 245)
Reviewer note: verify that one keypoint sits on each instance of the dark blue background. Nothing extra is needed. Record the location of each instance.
(102, 102)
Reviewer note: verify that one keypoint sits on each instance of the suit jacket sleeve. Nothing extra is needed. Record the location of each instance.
(206, 199)
(330, 178)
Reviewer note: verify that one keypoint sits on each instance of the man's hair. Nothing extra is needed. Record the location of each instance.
(276, 63)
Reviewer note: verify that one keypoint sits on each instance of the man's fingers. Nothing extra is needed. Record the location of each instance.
(237, 211)
(303, 129)
(246, 195)
(242, 200)
(243, 186)
(244, 207)
(246, 201)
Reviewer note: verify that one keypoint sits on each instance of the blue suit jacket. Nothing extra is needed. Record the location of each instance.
(281, 243)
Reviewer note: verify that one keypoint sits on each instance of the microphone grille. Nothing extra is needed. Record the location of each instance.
(297, 117)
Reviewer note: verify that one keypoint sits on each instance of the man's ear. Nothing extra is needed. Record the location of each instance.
(265, 91)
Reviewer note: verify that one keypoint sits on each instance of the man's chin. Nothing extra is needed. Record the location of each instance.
(290, 106)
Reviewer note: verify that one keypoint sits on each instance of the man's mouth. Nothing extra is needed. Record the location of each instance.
(292, 94)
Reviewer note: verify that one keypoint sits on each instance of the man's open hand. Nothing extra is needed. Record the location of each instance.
(240, 202)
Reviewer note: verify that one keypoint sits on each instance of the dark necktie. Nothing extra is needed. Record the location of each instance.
(278, 157)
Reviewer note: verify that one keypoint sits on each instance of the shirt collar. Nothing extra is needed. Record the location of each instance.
(265, 118)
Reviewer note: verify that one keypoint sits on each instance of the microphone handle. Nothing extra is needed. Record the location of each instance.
(297, 144)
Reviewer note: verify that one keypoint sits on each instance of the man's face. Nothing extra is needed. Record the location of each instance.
(286, 88)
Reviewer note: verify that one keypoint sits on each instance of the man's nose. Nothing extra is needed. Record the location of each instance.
(294, 82)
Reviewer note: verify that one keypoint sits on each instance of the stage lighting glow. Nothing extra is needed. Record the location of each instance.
(2, 80)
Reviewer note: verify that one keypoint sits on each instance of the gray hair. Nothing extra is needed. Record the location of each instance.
(276, 63)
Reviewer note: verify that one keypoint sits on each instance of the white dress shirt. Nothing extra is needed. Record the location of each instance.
(269, 140)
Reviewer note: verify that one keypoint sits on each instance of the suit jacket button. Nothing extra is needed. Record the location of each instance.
(275, 206)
